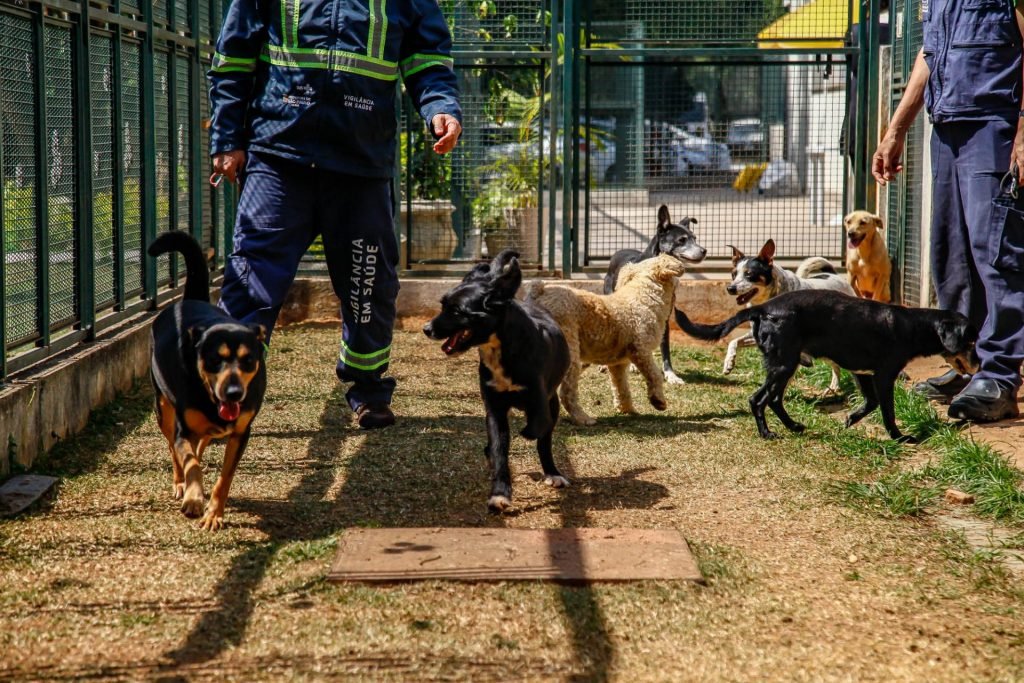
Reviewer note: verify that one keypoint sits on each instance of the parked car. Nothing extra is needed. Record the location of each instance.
(746, 137)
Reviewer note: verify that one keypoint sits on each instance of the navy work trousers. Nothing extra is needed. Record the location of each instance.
(282, 209)
(977, 240)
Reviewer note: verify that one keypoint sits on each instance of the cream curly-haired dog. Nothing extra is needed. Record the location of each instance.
(614, 329)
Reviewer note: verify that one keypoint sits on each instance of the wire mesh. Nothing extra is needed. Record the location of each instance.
(183, 141)
(717, 21)
(182, 16)
(18, 120)
(204, 20)
(161, 12)
(61, 174)
(750, 149)
(205, 230)
(101, 66)
(131, 8)
(131, 115)
(487, 195)
(162, 97)
(499, 23)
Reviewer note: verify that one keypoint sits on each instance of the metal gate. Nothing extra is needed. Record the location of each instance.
(732, 112)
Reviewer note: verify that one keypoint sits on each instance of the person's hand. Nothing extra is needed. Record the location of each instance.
(885, 163)
(447, 129)
(1017, 154)
(228, 165)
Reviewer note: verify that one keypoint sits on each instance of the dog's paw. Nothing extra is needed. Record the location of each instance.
(556, 481)
(673, 378)
(192, 507)
(907, 439)
(583, 420)
(769, 436)
(797, 428)
(658, 402)
(178, 491)
(626, 409)
(727, 369)
(498, 504)
(211, 521)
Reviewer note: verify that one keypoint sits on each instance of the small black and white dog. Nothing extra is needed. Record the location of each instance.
(870, 339)
(675, 239)
(756, 279)
(523, 358)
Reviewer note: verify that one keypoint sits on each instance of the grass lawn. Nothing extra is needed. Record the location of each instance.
(810, 577)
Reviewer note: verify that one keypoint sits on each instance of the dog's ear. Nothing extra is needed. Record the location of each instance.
(878, 221)
(956, 333)
(664, 220)
(737, 255)
(688, 221)
(481, 271)
(260, 331)
(502, 260)
(505, 284)
(767, 253)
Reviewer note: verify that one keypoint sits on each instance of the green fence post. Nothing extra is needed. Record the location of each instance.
(195, 128)
(117, 151)
(871, 125)
(149, 212)
(42, 186)
(555, 99)
(860, 158)
(3, 272)
(85, 252)
(569, 143)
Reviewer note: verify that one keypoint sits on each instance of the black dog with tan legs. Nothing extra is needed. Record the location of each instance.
(209, 377)
(523, 358)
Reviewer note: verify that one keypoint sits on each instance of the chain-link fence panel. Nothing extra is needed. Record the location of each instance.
(131, 115)
(183, 144)
(497, 23)
(161, 12)
(667, 22)
(18, 120)
(101, 64)
(61, 174)
(748, 148)
(164, 167)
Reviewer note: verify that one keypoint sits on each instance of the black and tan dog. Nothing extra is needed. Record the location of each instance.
(209, 377)
(872, 340)
(523, 358)
(674, 239)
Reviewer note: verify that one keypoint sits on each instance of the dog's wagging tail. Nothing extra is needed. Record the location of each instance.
(197, 282)
(714, 332)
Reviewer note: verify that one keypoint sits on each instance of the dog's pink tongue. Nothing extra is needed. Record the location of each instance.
(851, 245)
(229, 410)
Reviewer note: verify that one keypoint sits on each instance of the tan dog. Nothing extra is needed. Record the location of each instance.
(867, 259)
(614, 330)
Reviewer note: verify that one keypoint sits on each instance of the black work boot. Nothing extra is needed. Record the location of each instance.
(944, 387)
(374, 416)
(984, 400)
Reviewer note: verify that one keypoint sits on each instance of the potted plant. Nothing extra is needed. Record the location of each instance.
(426, 189)
(505, 208)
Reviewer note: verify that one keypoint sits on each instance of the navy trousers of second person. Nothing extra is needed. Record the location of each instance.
(282, 209)
(977, 240)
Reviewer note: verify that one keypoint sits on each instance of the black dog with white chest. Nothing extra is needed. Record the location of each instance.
(872, 340)
(523, 358)
(676, 239)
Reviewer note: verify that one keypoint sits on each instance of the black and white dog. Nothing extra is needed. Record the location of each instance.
(675, 239)
(872, 340)
(756, 279)
(523, 358)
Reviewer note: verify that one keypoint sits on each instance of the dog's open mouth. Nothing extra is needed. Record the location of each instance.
(742, 299)
(854, 242)
(229, 410)
(456, 343)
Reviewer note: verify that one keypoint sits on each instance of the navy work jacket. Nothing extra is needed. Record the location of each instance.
(973, 49)
(314, 81)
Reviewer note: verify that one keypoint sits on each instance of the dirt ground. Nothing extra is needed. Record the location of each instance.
(110, 581)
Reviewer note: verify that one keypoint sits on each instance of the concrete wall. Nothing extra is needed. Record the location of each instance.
(54, 399)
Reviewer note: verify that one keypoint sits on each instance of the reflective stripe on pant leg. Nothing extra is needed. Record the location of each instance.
(362, 256)
(273, 229)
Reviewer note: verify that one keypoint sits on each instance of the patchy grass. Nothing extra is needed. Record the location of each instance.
(797, 588)
(894, 495)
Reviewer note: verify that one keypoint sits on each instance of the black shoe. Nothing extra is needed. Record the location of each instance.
(984, 400)
(944, 387)
(374, 416)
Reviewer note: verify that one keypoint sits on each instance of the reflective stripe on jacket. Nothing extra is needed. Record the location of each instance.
(314, 81)
(973, 49)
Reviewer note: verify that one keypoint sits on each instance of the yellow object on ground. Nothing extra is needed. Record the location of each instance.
(821, 24)
(748, 177)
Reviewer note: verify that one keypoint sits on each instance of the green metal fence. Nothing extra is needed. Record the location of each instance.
(905, 194)
(101, 147)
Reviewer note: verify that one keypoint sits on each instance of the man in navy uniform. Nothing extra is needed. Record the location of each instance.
(969, 75)
(303, 115)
